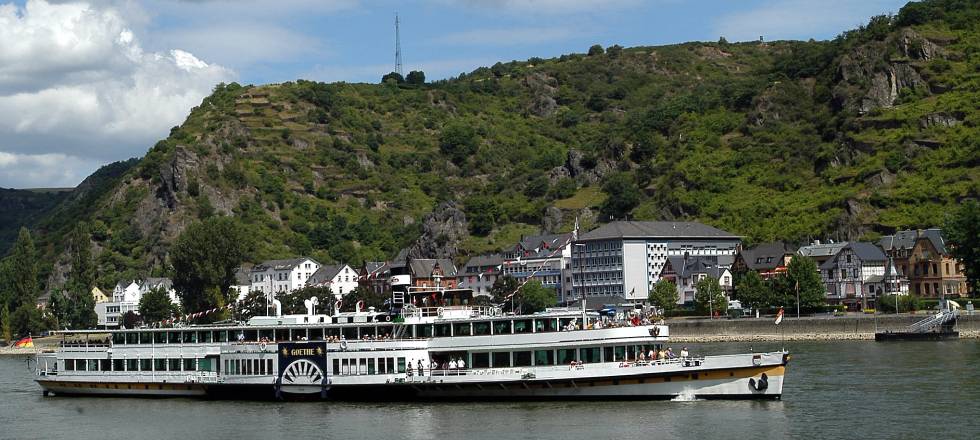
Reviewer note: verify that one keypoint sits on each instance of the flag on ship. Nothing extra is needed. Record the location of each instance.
(27, 342)
(779, 316)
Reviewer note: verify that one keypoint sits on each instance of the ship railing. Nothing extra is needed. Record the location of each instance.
(450, 311)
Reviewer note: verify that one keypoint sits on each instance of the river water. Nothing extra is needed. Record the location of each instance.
(834, 390)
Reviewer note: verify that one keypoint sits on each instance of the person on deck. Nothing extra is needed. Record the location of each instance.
(684, 352)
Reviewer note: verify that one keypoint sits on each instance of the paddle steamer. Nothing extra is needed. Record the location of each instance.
(418, 353)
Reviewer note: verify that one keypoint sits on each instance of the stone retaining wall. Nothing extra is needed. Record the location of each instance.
(845, 327)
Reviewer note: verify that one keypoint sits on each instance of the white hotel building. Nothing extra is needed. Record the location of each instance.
(625, 258)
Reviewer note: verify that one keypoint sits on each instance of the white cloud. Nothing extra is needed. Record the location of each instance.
(45, 170)
(507, 37)
(799, 19)
(77, 89)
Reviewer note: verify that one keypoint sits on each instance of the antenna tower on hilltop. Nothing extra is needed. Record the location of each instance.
(398, 48)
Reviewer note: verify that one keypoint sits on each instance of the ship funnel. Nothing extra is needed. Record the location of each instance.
(278, 305)
(311, 305)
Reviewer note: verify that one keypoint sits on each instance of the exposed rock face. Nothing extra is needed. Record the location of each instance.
(558, 173)
(543, 89)
(867, 83)
(941, 120)
(442, 232)
(583, 175)
(552, 220)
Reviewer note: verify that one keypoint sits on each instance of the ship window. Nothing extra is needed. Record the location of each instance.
(80, 365)
(173, 337)
(522, 326)
(522, 358)
(367, 331)
(500, 359)
(131, 365)
(620, 353)
(174, 364)
(190, 364)
(190, 337)
(362, 366)
(266, 333)
(480, 360)
(349, 333)
(481, 328)
(545, 325)
(316, 334)
(282, 335)
(332, 332)
(227, 366)
(589, 355)
(204, 336)
(268, 366)
(132, 338)
(401, 365)
(222, 336)
(391, 365)
(118, 338)
(423, 331)
(566, 356)
(501, 327)
(261, 367)
(117, 365)
(146, 365)
(159, 338)
(385, 330)
(461, 329)
(442, 330)
(544, 357)
(146, 338)
(105, 365)
(564, 322)
(93, 365)
(336, 366)
(371, 366)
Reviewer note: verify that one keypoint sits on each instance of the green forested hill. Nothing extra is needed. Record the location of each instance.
(850, 138)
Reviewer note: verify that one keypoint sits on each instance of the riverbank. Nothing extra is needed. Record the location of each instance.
(820, 328)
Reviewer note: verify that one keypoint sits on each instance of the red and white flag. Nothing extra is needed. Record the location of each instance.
(779, 316)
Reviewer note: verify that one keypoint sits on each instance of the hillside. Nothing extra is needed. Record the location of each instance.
(850, 138)
(20, 207)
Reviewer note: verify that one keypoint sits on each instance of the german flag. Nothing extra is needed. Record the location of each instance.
(27, 342)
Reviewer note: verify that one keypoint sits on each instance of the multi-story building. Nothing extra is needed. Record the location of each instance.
(340, 278)
(480, 272)
(923, 257)
(768, 260)
(545, 258)
(374, 276)
(126, 298)
(282, 276)
(432, 272)
(821, 252)
(626, 258)
(686, 272)
(855, 275)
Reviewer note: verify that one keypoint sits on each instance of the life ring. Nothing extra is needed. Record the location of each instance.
(387, 318)
(262, 346)
(440, 310)
(343, 345)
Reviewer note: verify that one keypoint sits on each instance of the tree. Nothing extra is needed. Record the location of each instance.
(24, 269)
(394, 77)
(906, 303)
(536, 298)
(596, 50)
(503, 287)
(622, 195)
(752, 291)
(962, 229)
(77, 306)
(131, 320)
(708, 296)
(664, 296)
(204, 259)
(458, 141)
(802, 274)
(27, 320)
(61, 307)
(415, 77)
(254, 304)
(156, 305)
(6, 327)
(369, 296)
(482, 212)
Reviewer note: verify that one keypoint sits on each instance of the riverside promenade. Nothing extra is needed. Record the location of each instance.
(820, 327)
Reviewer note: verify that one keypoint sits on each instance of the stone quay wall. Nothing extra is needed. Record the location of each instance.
(805, 328)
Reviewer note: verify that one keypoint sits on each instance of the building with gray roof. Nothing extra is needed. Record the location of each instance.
(626, 258)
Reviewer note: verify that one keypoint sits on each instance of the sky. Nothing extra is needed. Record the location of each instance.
(86, 83)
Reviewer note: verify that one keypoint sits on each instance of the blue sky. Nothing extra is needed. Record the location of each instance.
(85, 83)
